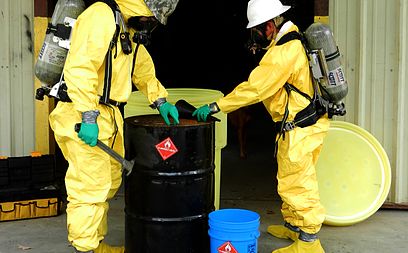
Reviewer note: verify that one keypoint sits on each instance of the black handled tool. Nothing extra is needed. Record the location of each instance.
(186, 110)
(126, 165)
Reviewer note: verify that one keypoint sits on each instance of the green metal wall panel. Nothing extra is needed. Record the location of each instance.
(401, 181)
(16, 78)
(372, 36)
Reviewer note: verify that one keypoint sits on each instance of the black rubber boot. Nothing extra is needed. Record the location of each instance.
(306, 237)
(293, 228)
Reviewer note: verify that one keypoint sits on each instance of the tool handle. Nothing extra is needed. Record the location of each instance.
(126, 165)
(77, 127)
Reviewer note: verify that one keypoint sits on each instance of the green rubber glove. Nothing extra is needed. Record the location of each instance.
(166, 109)
(202, 113)
(89, 128)
(89, 133)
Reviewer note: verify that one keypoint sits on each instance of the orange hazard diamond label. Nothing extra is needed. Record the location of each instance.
(166, 148)
(227, 248)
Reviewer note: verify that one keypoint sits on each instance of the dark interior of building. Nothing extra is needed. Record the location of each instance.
(204, 46)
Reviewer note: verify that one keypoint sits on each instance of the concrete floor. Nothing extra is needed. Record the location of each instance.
(248, 184)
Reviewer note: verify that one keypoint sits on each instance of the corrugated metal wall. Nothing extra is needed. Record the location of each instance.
(16, 78)
(373, 37)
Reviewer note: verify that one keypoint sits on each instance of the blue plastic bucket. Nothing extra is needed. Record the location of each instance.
(233, 230)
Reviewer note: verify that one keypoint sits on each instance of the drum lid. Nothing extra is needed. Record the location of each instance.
(354, 174)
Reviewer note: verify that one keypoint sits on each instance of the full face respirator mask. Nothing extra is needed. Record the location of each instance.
(258, 39)
(143, 26)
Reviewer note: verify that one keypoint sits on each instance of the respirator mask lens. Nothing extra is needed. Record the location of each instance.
(144, 26)
(259, 37)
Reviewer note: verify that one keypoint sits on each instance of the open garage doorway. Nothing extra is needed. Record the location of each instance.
(204, 46)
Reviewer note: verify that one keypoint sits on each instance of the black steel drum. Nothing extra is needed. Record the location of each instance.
(170, 191)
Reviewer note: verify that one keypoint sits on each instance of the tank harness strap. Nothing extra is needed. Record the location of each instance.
(300, 117)
(107, 81)
(134, 59)
(60, 30)
(293, 35)
(284, 125)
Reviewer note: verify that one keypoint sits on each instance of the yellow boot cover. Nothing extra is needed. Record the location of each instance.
(300, 246)
(105, 248)
(282, 232)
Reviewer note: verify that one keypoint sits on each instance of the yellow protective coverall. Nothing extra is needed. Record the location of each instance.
(93, 177)
(298, 151)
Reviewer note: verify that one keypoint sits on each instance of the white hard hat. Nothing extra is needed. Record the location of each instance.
(260, 11)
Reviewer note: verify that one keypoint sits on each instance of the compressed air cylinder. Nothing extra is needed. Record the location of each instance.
(319, 36)
(51, 59)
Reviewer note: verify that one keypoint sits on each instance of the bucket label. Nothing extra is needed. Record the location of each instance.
(227, 248)
(166, 148)
(251, 248)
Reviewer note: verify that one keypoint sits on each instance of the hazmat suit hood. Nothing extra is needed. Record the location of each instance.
(161, 9)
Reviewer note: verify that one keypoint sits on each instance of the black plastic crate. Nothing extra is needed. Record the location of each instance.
(27, 172)
(20, 171)
(43, 170)
(10, 195)
(4, 175)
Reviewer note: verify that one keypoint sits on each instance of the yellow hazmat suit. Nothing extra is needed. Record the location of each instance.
(93, 177)
(299, 149)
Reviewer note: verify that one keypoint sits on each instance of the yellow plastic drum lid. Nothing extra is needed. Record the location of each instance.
(139, 105)
(354, 174)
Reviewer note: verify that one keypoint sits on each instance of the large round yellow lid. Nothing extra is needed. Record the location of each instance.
(354, 174)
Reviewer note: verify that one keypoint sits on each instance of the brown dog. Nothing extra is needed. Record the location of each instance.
(239, 120)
